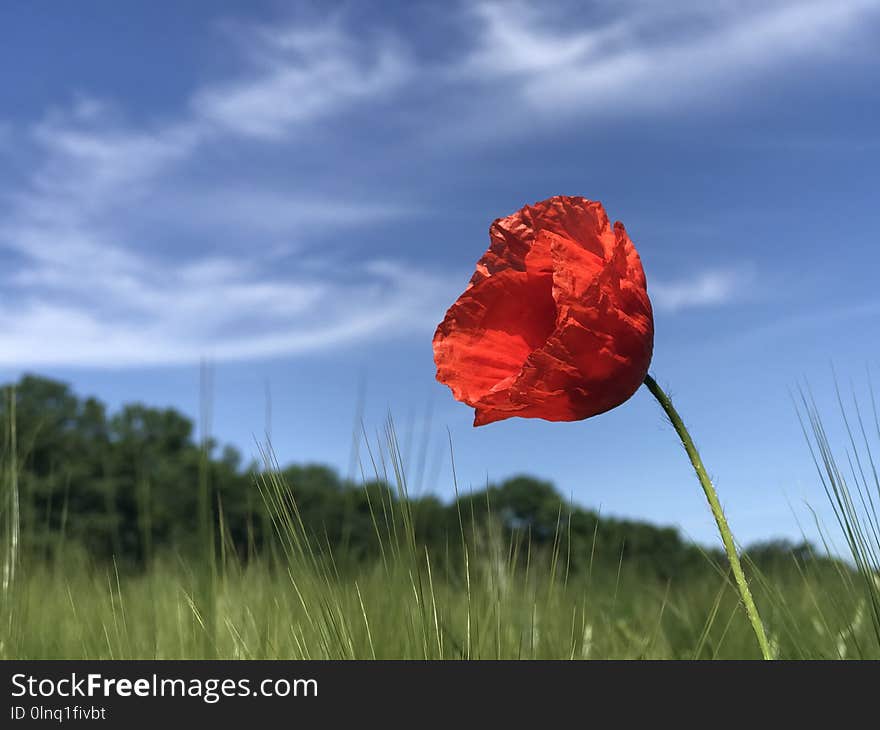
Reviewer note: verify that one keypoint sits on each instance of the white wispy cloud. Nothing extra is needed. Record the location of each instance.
(628, 56)
(300, 75)
(708, 288)
(130, 311)
(87, 288)
(273, 209)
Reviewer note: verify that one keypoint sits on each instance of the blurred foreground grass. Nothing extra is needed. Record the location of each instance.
(491, 595)
(409, 611)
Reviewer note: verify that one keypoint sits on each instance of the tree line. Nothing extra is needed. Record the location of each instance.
(127, 486)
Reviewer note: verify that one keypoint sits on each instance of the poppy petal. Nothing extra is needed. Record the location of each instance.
(490, 331)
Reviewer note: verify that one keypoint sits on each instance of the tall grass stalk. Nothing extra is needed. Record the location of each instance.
(11, 510)
(853, 490)
(205, 586)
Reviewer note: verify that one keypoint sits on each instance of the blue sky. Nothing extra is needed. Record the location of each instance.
(297, 192)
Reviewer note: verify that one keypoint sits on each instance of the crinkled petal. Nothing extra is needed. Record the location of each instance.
(491, 330)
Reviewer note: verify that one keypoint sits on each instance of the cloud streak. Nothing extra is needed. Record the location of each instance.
(652, 56)
(302, 75)
(709, 288)
(216, 309)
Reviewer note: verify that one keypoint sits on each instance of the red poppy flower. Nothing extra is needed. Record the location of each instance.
(556, 322)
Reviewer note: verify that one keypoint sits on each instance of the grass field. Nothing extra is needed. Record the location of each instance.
(496, 599)
(409, 611)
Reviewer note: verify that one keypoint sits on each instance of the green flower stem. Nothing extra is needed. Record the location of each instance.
(717, 513)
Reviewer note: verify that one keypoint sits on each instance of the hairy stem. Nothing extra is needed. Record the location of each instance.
(712, 496)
